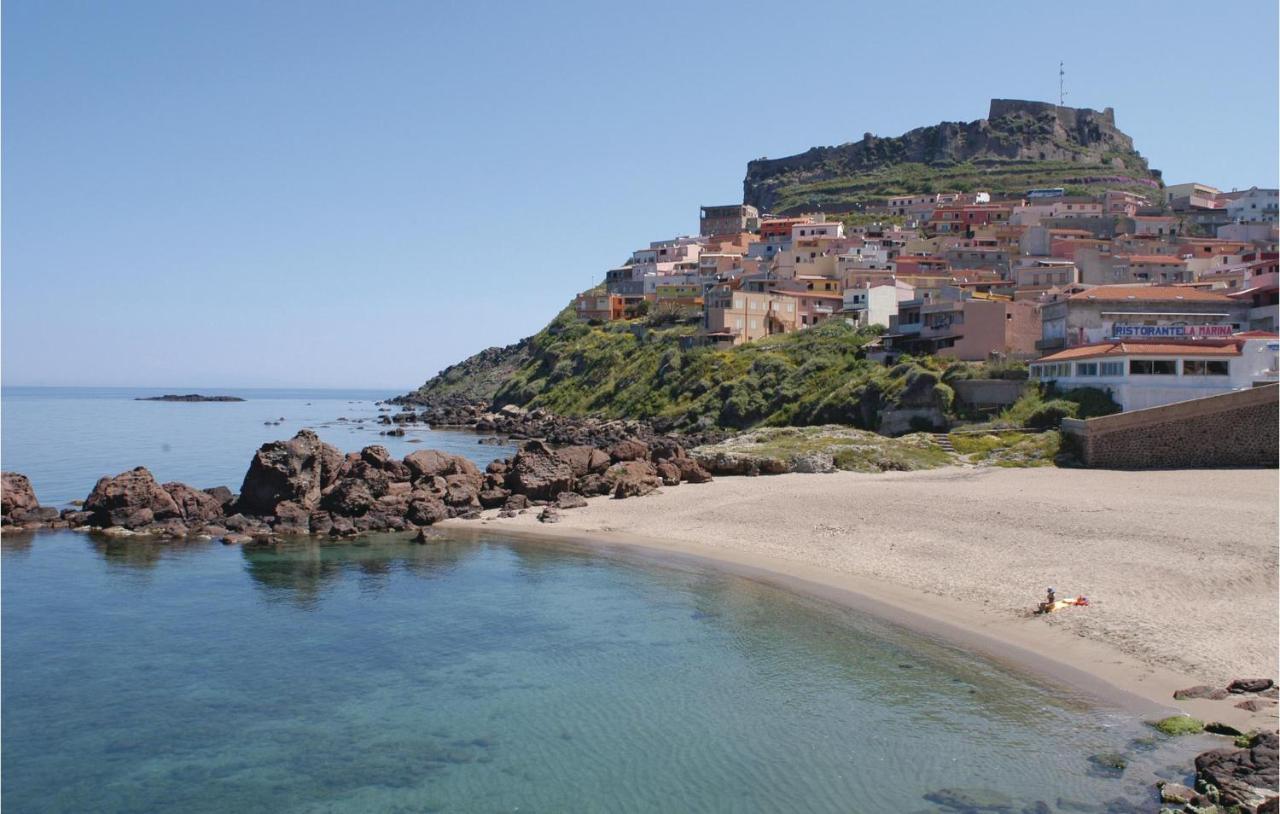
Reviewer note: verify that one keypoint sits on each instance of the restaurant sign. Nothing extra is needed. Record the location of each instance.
(1124, 331)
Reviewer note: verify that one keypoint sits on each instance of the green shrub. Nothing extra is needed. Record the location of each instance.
(1091, 402)
(1050, 414)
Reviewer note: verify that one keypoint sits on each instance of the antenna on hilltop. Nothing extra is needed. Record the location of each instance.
(1062, 94)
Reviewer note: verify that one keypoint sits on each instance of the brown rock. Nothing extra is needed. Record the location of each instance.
(548, 515)
(1200, 691)
(425, 510)
(691, 471)
(349, 497)
(1255, 704)
(1244, 777)
(292, 518)
(429, 463)
(629, 449)
(570, 500)
(539, 473)
(583, 460)
(632, 479)
(668, 472)
(1242, 685)
(131, 499)
(299, 470)
(16, 494)
(194, 504)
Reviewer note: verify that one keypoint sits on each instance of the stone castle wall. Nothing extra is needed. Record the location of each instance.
(1231, 429)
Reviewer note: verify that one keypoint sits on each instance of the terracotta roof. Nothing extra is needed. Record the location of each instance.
(1193, 348)
(1148, 293)
(1259, 335)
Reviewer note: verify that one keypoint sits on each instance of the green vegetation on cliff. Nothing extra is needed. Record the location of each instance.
(628, 369)
(1002, 178)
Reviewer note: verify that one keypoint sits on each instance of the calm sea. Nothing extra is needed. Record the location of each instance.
(64, 439)
(477, 674)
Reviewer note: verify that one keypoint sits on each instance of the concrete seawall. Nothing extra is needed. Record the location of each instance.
(1231, 429)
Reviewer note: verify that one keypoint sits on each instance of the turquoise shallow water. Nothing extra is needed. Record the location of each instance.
(480, 674)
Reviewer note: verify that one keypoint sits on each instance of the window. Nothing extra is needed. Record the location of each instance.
(1152, 367)
(1086, 368)
(737, 303)
(755, 323)
(1111, 369)
(1196, 367)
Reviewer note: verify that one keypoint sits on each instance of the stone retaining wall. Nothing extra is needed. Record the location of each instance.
(1231, 429)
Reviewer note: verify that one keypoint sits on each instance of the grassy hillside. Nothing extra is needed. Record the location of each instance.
(637, 369)
(847, 191)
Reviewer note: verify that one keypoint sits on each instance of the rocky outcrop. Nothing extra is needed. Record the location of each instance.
(16, 495)
(131, 500)
(632, 478)
(538, 473)
(1245, 777)
(297, 470)
(1016, 134)
(305, 486)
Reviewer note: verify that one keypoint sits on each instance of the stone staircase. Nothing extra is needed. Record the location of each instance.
(943, 440)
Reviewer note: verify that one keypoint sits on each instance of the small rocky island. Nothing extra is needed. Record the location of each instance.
(188, 397)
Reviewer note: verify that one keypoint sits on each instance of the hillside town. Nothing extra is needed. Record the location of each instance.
(1156, 298)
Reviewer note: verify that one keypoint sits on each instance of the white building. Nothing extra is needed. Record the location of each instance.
(1141, 374)
(874, 305)
(1252, 205)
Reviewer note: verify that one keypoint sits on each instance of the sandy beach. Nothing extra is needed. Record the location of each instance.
(1180, 567)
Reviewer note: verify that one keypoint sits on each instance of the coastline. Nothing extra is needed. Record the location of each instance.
(673, 527)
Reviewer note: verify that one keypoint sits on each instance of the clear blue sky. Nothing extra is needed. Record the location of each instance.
(358, 194)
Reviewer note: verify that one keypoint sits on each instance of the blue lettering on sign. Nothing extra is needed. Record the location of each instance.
(1149, 331)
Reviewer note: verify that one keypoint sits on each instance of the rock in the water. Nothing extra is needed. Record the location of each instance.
(16, 494)
(349, 497)
(131, 499)
(425, 510)
(1244, 777)
(1107, 764)
(425, 536)
(1242, 685)
(1176, 793)
(298, 470)
(430, 463)
(195, 505)
(972, 800)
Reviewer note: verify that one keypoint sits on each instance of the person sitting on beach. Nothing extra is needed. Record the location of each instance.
(1047, 605)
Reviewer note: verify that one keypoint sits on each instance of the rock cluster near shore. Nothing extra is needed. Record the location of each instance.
(305, 486)
(516, 422)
